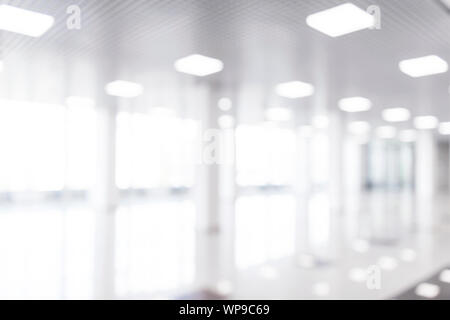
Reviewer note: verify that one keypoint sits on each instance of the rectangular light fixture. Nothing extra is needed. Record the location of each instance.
(426, 122)
(445, 276)
(294, 89)
(198, 65)
(444, 128)
(423, 66)
(355, 104)
(359, 127)
(428, 290)
(396, 115)
(343, 19)
(23, 21)
(386, 132)
(124, 89)
(83, 102)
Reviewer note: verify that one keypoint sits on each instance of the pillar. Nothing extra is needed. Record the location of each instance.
(105, 195)
(425, 183)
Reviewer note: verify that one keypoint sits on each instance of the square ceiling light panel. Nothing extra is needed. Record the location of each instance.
(423, 66)
(444, 128)
(343, 19)
(198, 65)
(396, 115)
(426, 122)
(355, 104)
(428, 290)
(124, 89)
(294, 89)
(26, 22)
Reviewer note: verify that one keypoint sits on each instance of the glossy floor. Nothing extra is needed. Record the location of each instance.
(277, 246)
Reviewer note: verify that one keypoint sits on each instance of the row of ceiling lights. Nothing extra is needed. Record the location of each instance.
(348, 18)
(334, 22)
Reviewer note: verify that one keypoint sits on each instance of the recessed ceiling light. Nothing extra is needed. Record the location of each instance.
(386, 132)
(387, 263)
(25, 22)
(355, 104)
(359, 127)
(294, 89)
(428, 290)
(198, 65)
(75, 101)
(343, 19)
(124, 89)
(407, 135)
(445, 276)
(278, 114)
(444, 128)
(225, 104)
(396, 115)
(423, 66)
(426, 122)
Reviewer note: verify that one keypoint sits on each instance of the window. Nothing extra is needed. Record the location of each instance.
(265, 155)
(45, 147)
(155, 151)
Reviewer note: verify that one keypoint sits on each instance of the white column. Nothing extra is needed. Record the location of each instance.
(336, 167)
(425, 178)
(215, 192)
(207, 184)
(105, 197)
(352, 185)
(302, 188)
(425, 164)
(227, 187)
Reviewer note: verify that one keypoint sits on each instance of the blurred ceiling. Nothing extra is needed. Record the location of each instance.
(261, 42)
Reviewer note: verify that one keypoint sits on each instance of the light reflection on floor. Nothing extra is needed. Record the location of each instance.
(46, 253)
(49, 252)
(265, 229)
(155, 247)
